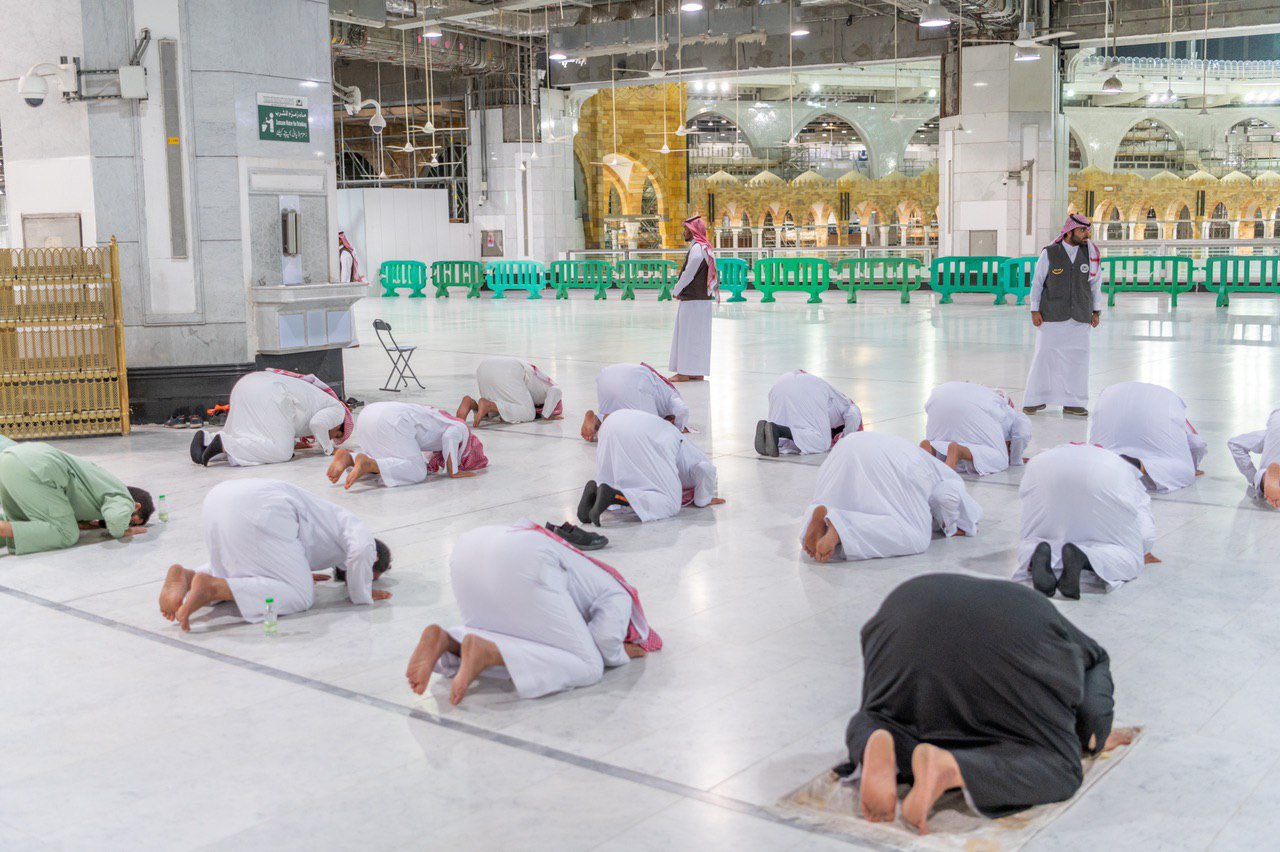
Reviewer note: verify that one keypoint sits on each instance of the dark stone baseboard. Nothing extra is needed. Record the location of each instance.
(155, 393)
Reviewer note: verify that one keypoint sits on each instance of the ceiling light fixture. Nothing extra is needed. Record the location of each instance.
(1112, 85)
(557, 57)
(691, 6)
(799, 32)
(934, 15)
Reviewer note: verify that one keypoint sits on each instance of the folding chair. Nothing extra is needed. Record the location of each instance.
(399, 356)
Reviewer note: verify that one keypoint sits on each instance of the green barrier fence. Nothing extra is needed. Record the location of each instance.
(810, 275)
(581, 275)
(1015, 276)
(903, 274)
(403, 274)
(733, 277)
(507, 275)
(659, 275)
(1146, 274)
(1239, 274)
(457, 273)
(967, 274)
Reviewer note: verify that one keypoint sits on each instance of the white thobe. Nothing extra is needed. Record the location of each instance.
(691, 338)
(1060, 367)
(981, 419)
(1149, 423)
(346, 263)
(557, 619)
(520, 394)
(399, 436)
(811, 408)
(265, 537)
(1265, 443)
(270, 412)
(885, 497)
(638, 387)
(652, 463)
(1092, 498)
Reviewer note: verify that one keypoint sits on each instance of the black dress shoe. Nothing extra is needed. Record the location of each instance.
(197, 447)
(1042, 576)
(1074, 562)
(587, 500)
(578, 537)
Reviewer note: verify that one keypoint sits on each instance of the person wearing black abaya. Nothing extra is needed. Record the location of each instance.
(979, 684)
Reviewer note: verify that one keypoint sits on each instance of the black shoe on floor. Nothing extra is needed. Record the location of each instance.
(606, 496)
(1032, 409)
(586, 502)
(767, 439)
(1042, 576)
(212, 450)
(1074, 562)
(578, 537)
(197, 447)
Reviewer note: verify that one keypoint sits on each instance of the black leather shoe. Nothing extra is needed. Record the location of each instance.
(578, 537)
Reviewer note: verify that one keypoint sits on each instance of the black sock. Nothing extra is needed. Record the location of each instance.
(212, 449)
(606, 496)
(782, 431)
(1074, 563)
(587, 500)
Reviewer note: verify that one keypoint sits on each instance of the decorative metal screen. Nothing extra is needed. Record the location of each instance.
(62, 368)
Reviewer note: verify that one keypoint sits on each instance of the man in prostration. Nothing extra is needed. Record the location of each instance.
(638, 387)
(806, 415)
(1264, 480)
(1147, 426)
(49, 496)
(879, 496)
(273, 413)
(974, 429)
(1085, 518)
(402, 442)
(265, 539)
(514, 391)
(535, 610)
(979, 685)
(1066, 303)
(695, 290)
(645, 464)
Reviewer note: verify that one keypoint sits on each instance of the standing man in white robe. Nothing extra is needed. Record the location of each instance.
(265, 538)
(514, 391)
(639, 387)
(879, 496)
(535, 609)
(696, 291)
(1066, 303)
(646, 464)
(401, 442)
(1264, 480)
(806, 415)
(974, 429)
(1085, 515)
(272, 414)
(1147, 426)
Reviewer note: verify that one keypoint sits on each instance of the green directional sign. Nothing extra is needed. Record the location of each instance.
(283, 118)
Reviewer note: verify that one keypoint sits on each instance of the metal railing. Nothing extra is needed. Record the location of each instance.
(834, 254)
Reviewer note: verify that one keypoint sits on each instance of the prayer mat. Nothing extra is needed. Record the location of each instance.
(832, 803)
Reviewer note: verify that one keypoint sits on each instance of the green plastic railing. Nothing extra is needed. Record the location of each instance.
(457, 273)
(1147, 274)
(903, 274)
(659, 275)
(1239, 274)
(403, 274)
(507, 275)
(1016, 274)
(967, 274)
(733, 277)
(810, 275)
(581, 275)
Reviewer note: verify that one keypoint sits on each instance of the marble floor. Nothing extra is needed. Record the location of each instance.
(122, 732)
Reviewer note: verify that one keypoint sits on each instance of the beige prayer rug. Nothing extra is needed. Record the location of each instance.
(832, 804)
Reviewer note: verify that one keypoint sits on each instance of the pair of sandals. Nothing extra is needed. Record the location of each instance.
(578, 537)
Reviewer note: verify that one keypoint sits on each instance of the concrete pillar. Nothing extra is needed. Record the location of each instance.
(1009, 121)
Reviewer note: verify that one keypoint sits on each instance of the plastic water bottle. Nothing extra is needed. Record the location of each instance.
(162, 507)
(270, 624)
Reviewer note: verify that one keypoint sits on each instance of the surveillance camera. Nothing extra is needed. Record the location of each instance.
(33, 89)
(377, 123)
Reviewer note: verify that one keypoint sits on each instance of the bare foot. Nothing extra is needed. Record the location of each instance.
(633, 650)
(590, 426)
(879, 784)
(927, 447)
(434, 642)
(717, 501)
(827, 543)
(936, 772)
(342, 460)
(477, 655)
(205, 590)
(1199, 473)
(1151, 559)
(176, 584)
(486, 409)
(363, 467)
(465, 408)
(1119, 737)
(817, 526)
(1271, 485)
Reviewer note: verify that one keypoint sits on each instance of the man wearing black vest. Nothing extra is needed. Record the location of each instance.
(1066, 303)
